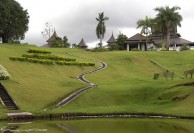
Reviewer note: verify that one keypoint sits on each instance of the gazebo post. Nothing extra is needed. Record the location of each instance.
(127, 47)
(138, 46)
(175, 47)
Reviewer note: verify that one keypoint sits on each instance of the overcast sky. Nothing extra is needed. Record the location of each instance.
(76, 18)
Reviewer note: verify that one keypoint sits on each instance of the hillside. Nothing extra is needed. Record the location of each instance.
(126, 85)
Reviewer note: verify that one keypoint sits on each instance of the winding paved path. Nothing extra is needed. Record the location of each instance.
(81, 77)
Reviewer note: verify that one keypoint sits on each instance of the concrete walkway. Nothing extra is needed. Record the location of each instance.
(81, 77)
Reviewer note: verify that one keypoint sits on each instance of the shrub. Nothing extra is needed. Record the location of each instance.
(184, 47)
(91, 64)
(74, 63)
(32, 60)
(3, 73)
(39, 51)
(60, 62)
(135, 49)
(18, 58)
(99, 50)
(48, 56)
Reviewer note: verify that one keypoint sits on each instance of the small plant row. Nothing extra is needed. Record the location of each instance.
(74, 63)
(50, 62)
(38, 51)
(32, 60)
(48, 56)
(3, 73)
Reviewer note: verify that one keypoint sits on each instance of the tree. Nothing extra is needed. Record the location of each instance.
(65, 42)
(101, 28)
(168, 19)
(48, 30)
(57, 43)
(13, 21)
(146, 25)
(120, 41)
(60, 43)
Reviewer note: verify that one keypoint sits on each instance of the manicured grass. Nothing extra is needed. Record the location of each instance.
(126, 85)
(35, 86)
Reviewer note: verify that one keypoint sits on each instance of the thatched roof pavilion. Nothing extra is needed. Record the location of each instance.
(53, 37)
(82, 44)
(137, 38)
(111, 40)
(136, 41)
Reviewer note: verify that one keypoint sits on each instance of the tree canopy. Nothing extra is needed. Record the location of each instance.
(13, 21)
(146, 25)
(167, 19)
(120, 41)
(60, 43)
(101, 28)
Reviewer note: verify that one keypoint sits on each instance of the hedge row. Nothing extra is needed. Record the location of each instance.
(32, 60)
(48, 56)
(74, 63)
(39, 51)
(41, 61)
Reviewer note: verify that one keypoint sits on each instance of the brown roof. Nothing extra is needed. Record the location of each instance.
(173, 40)
(137, 38)
(82, 44)
(112, 39)
(53, 37)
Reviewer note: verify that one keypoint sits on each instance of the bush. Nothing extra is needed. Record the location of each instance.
(3, 73)
(32, 60)
(48, 56)
(99, 50)
(135, 49)
(18, 58)
(113, 46)
(74, 63)
(39, 51)
(184, 47)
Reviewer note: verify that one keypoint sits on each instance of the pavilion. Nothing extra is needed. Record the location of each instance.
(82, 44)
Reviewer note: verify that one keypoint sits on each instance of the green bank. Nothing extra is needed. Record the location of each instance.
(126, 85)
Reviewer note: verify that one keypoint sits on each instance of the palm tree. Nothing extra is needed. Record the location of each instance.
(146, 25)
(101, 28)
(168, 19)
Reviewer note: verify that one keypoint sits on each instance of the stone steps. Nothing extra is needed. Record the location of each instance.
(6, 99)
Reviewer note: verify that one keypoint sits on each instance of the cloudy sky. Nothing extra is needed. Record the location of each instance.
(76, 18)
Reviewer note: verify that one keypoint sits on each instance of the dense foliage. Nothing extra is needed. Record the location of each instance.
(168, 19)
(3, 73)
(48, 56)
(60, 43)
(13, 21)
(120, 41)
(146, 25)
(39, 51)
(45, 57)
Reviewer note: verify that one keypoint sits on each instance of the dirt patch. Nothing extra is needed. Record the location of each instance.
(185, 84)
(180, 98)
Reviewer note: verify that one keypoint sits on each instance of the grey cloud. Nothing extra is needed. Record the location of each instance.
(81, 21)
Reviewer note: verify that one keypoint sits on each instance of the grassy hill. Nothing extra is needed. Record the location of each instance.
(126, 85)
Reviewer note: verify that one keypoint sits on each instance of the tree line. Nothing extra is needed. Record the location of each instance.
(14, 22)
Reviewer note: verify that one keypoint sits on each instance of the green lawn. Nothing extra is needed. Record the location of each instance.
(126, 85)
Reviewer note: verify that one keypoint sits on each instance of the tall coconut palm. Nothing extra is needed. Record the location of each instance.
(101, 28)
(146, 25)
(168, 19)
